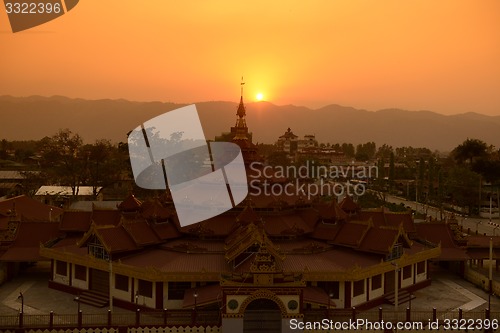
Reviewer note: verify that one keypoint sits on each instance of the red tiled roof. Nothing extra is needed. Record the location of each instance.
(32, 233)
(482, 253)
(305, 246)
(116, 239)
(221, 225)
(68, 245)
(68, 241)
(153, 210)
(166, 230)
(378, 240)
(309, 215)
(106, 217)
(248, 215)
(376, 215)
(336, 260)
(351, 234)
(326, 231)
(382, 217)
(193, 245)
(170, 261)
(76, 221)
(332, 211)
(27, 243)
(264, 201)
(437, 233)
(287, 223)
(20, 254)
(141, 233)
(30, 209)
(440, 233)
(316, 295)
(131, 203)
(395, 219)
(348, 204)
(483, 241)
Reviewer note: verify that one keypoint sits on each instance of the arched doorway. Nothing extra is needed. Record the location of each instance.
(262, 315)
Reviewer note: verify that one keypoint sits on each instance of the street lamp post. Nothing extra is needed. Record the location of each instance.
(77, 299)
(195, 295)
(477, 226)
(21, 297)
(137, 312)
(330, 296)
(396, 285)
(21, 315)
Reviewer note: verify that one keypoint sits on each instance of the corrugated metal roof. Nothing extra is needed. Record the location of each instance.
(66, 190)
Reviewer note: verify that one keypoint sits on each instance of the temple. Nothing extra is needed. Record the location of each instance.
(282, 254)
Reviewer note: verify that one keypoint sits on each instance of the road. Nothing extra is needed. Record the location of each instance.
(474, 223)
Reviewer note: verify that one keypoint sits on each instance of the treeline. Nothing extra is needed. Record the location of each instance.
(467, 177)
(63, 159)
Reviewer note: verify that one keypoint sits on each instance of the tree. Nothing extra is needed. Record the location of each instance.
(63, 160)
(384, 151)
(366, 151)
(469, 151)
(278, 158)
(104, 165)
(421, 173)
(348, 149)
(32, 181)
(430, 172)
(462, 186)
(391, 170)
(489, 169)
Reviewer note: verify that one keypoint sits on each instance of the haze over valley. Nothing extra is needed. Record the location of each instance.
(36, 117)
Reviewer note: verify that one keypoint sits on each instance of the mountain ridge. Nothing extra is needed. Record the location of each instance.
(34, 117)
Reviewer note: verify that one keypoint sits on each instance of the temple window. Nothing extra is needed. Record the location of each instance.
(61, 268)
(96, 249)
(121, 282)
(145, 288)
(81, 272)
(176, 290)
(377, 282)
(397, 252)
(358, 288)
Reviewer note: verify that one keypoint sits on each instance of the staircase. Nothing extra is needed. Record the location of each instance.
(94, 298)
(403, 297)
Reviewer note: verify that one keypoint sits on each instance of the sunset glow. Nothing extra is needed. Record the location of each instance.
(417, 55)
(259, 96)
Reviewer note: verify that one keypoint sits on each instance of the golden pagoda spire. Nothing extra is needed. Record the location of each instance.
(241, 124)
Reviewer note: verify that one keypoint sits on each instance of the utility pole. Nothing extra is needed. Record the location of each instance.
(491, 266)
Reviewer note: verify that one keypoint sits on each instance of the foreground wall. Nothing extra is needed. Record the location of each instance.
(122, 330)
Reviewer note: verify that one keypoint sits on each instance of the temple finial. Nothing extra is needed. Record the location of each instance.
(242, 83)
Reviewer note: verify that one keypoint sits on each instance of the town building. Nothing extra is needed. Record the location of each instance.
(309, 148)
(24, 224)
(265, 262)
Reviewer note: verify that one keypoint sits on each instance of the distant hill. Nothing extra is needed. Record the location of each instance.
(34, 117)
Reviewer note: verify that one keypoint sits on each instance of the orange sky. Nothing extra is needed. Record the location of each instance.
(441, 55)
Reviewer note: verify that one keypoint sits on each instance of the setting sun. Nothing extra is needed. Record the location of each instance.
(259, 96)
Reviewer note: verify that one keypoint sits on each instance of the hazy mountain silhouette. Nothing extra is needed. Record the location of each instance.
(34, 117)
